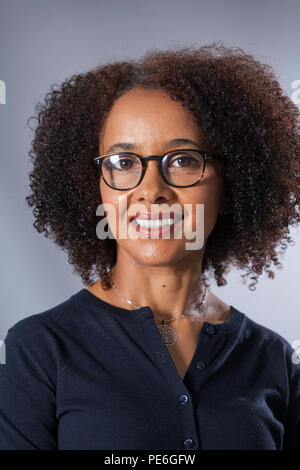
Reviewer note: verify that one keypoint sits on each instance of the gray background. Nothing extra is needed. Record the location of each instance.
(43, 42)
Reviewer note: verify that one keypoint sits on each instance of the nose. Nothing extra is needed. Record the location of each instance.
(153, 187)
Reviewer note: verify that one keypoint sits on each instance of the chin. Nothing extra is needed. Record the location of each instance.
(162, 255)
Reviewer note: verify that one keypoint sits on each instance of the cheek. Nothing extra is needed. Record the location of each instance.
(104, 192)
(211, 203)
(115, 204)
(110, 199)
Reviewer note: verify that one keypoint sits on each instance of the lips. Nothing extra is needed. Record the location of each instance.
(155, 229)
(161, 216)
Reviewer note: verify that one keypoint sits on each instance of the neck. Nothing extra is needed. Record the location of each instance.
(168, 290)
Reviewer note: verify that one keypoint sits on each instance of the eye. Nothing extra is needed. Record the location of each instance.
(124, 164)
(121, 163)
(185, 161)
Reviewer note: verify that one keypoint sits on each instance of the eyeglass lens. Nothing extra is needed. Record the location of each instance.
(124, 171)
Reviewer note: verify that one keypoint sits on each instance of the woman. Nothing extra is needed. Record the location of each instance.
(147, 357)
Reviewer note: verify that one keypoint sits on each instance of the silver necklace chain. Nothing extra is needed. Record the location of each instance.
(167, 332)
(156, 316)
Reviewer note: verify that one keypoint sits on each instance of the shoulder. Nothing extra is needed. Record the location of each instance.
(270, 346)
(41, 339)
(49, 321)
(263, 334)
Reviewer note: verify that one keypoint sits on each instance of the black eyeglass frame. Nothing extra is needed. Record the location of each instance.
(159, 158)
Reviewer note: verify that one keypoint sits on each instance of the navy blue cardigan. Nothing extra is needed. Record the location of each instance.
(86, 374)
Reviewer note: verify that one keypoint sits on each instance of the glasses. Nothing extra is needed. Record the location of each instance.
(178, 168)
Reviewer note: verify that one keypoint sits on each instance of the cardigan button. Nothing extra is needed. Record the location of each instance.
(210, 330)
(161, 356)
(189, 444)
(184, 399)
(201, 365)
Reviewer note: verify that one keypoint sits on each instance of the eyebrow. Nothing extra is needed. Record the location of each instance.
(131, 146)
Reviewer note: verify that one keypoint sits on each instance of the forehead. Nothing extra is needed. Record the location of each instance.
(143, 114)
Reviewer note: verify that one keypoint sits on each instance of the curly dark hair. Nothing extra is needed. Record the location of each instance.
(239, 104)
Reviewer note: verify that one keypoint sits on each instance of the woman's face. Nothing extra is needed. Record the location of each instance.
(148, 120)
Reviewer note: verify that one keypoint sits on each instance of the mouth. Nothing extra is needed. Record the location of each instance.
(157, 225)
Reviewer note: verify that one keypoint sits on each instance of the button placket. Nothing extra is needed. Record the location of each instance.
(177, 387)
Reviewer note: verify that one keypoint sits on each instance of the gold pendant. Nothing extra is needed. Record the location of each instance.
(168, 334)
